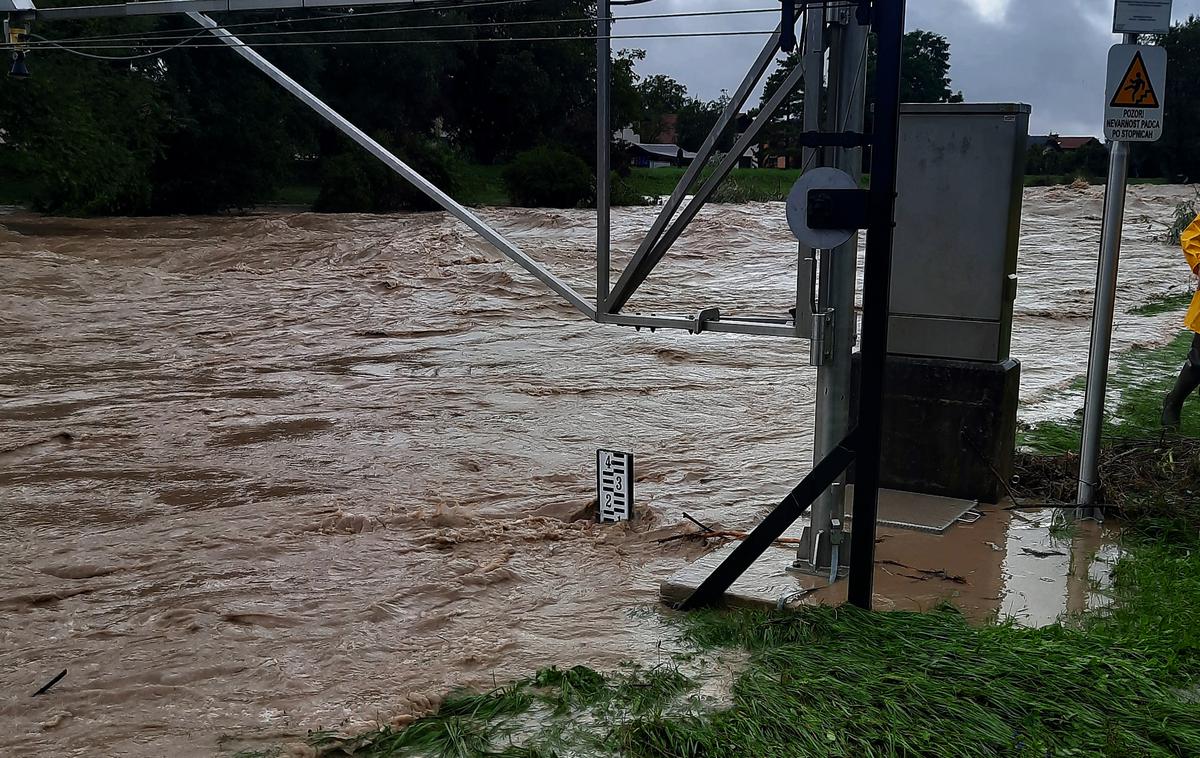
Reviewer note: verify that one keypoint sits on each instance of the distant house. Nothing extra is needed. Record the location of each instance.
(659, 155)
(1044, 141)
(652, 154)
(1056, 144)
(667, 130)
(1076, 143)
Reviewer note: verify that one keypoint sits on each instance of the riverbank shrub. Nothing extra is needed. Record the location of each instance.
(548, 177)
(1182, 217)
(354, 180)
(623, 192)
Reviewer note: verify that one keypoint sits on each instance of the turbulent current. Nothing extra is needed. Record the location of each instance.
(271, 473)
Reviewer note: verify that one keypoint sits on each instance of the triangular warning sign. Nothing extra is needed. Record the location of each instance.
(1136, 90)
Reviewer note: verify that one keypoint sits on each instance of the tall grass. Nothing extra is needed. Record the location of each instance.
(845, 682)
(1185, 212)
(1137, 385)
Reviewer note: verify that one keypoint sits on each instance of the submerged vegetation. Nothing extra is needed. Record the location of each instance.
(844, 682)
(1137, 383)
(1185, 213)
(1167, 304)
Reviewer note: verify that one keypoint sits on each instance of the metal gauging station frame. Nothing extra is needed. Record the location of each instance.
(862, 444)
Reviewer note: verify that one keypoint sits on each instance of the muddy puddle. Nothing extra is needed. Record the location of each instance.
(1034, 568)
(273, 473)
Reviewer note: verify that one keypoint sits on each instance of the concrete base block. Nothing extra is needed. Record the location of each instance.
(949, 426)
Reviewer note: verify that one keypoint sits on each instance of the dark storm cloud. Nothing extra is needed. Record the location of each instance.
(1048, 53)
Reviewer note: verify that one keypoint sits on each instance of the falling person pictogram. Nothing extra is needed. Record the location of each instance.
(1136, 89)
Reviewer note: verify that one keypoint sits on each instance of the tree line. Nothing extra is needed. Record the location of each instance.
(198, 130)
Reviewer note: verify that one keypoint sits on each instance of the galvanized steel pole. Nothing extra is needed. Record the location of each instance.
(847, 83)
(1102, 322)
(603, 140)
(813, 555)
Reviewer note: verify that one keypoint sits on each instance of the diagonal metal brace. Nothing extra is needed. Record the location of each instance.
(732, 108)
(459, 211)
(774, 525)
(644, 261)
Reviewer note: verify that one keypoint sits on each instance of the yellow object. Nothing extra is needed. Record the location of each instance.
(1190, 240)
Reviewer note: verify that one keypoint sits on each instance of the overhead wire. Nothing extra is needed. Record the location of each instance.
(151, 54)
(321, 16)
(95, 41)
(165, 35)
(393, 42)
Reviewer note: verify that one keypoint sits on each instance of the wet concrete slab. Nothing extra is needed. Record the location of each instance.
(909, 510)
(1035, 568)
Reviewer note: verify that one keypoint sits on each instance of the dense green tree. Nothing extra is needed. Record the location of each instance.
(1177, 155)
(626, 101)
(353, 180)
(925, 78)
(85, 134)
(925, 73)
(507, 97)
(1088, 161)
(781, 132)
(925, 70)
(697, 119)
(548, 177)
(235, 135)
(661, 96)
(200, 131)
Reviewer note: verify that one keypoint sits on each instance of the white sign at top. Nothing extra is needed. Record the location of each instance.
(1142, 17)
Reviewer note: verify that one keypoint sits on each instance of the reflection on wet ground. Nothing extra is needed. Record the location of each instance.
(1034, 568)
(270, 473)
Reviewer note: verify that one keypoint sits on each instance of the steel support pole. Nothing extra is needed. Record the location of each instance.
(400, 167)
(814, 81)
(810, 268)
(877, 273)
(603, 142)
(813, 553)
(847, 88)
(1102, 322)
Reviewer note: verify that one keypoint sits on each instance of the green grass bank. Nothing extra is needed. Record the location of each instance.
(481, 185)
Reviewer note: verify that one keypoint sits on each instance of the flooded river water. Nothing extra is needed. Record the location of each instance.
(272, 473)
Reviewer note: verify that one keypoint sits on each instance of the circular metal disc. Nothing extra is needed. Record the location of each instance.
(797, 208)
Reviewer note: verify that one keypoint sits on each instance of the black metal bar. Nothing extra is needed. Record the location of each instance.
(833, 139)
(787, 26)
(774, 525)
(838, 209)
(877, 274)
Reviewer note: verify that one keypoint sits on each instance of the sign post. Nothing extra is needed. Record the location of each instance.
(1133, 100)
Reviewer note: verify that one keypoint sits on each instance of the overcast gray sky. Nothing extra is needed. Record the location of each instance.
(1051, 54)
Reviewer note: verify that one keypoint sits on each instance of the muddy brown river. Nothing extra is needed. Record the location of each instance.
(271, 473)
